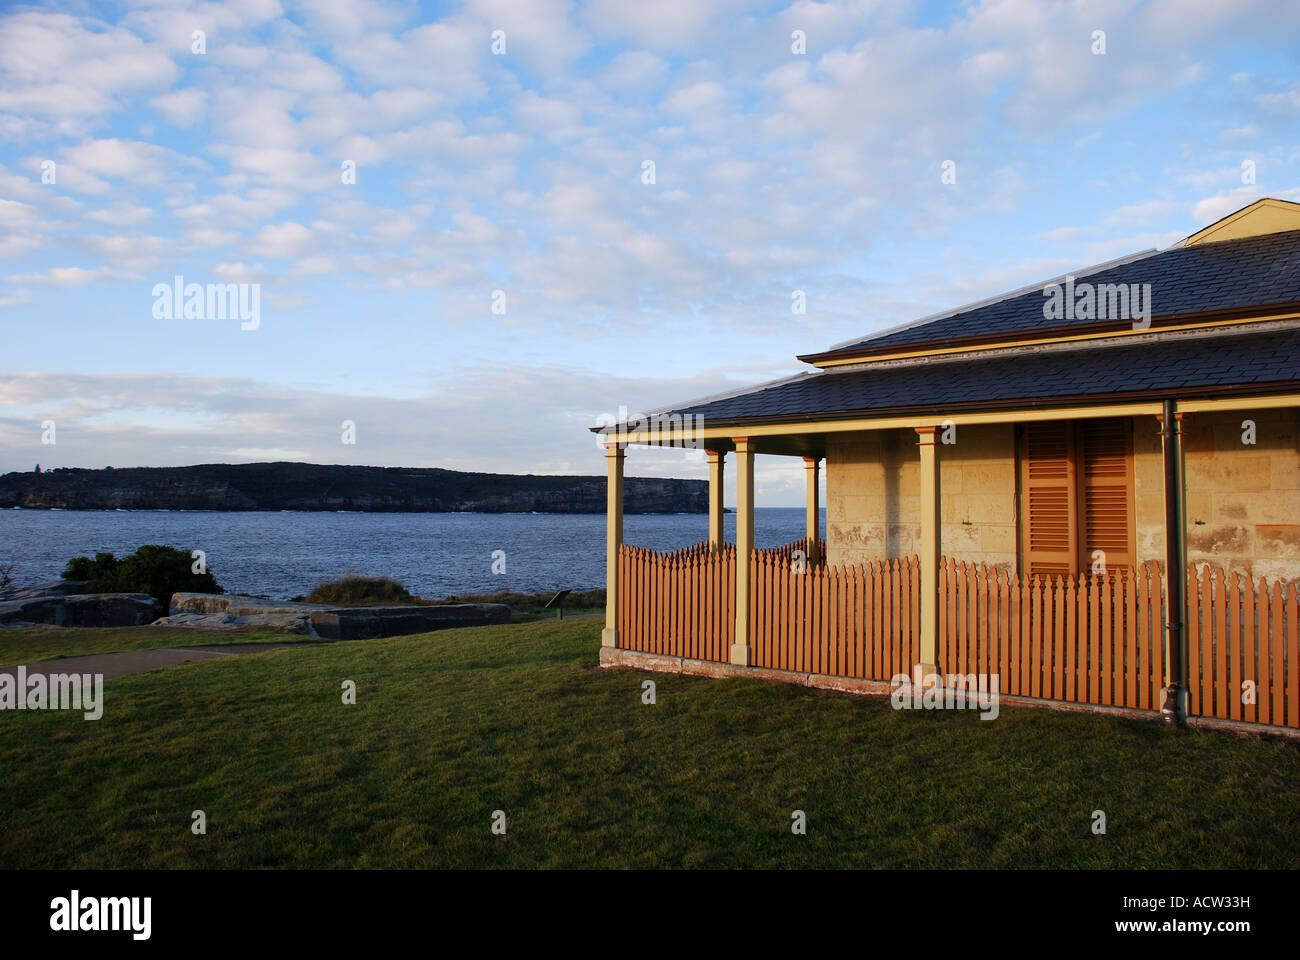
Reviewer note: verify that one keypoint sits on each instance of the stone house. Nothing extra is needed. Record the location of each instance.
(1133, 418)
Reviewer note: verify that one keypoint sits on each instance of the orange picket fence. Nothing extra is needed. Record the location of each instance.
(1085, 639)
(681, 604)
(859, 621)
(1094, 639)
(803, 549)
(1243, 648)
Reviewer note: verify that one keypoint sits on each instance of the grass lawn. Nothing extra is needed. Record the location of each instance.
(450, 726)
(28, 644)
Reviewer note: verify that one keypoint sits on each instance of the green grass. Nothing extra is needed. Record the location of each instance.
(450, 726)
(28, 644)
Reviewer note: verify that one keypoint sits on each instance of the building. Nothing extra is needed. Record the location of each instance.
(1115, 451)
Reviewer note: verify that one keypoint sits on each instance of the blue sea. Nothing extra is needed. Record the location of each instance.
(282, 555)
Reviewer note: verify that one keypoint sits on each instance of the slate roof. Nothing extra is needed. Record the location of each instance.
(1224, 275)
(1174, 366)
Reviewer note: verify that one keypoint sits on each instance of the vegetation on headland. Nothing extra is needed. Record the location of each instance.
(451, 726)
(354, 588)
(358, 589)
(337, 487)
(155, 569)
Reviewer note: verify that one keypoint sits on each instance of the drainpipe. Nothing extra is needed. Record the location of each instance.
(1174, 710)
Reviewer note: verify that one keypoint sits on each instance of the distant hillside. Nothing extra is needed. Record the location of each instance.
(307, 486)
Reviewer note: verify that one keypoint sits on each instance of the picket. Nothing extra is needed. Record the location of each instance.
(1091, 638)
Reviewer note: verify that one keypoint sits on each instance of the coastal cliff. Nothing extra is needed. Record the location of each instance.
(308, 486)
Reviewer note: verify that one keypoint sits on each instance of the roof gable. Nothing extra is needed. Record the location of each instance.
(1261, 217)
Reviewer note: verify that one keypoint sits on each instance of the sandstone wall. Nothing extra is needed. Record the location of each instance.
(873, 495)
(1243, 500)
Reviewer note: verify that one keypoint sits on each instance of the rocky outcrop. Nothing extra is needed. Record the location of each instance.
(209, 611)
(296, 623)
(307, 486)
(55, 588)
(80, 610)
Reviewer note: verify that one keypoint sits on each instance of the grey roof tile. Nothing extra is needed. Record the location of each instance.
(1229, 274)
(1168, 365)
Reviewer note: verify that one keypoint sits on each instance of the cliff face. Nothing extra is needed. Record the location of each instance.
(305, 486)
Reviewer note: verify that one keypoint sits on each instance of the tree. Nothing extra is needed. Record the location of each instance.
(154, 569)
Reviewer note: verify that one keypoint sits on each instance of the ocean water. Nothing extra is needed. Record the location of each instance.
(285, 554)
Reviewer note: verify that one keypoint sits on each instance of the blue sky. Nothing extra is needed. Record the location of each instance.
(523, 172)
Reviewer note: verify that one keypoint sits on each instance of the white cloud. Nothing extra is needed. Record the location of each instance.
(664, 25)
(282, 241)
(62, 276)
(183, 108)
(119, 159)
(634, 70)
(54, 66)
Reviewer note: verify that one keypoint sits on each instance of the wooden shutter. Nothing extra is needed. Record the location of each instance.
(1048, 485)
(1106, 492)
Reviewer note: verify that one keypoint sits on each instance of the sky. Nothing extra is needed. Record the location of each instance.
(476, 228)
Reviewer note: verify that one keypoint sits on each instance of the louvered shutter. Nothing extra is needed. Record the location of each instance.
(1048, 490)
(1106, 458)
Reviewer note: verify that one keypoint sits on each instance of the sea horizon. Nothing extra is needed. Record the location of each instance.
(285, 553)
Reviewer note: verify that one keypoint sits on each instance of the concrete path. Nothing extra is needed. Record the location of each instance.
(137, 661)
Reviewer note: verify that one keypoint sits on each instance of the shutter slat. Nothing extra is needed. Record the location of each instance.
(1048, 513)
(1106, 458)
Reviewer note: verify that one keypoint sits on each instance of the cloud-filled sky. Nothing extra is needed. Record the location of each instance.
(516, 177)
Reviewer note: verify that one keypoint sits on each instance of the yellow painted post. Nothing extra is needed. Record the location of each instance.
(614, 457)
(744, 546)
(813, 507)
(929, 555)
(717, 461)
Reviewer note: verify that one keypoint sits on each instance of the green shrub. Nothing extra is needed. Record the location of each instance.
(154, 569)
(354, 588)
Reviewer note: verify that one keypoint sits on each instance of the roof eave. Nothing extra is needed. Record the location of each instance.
(1010, 406)
(1038, 334)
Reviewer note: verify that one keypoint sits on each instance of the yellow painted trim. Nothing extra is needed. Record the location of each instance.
(679, 434)
(1143, 408)
(1262, 217)
(1080, 338)
(1240, 403)
(717, 469)
(929, 552)
(812, 505)
(740, 652)
(614, 460)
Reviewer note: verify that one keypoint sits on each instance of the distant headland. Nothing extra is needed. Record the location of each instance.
(308, 486)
